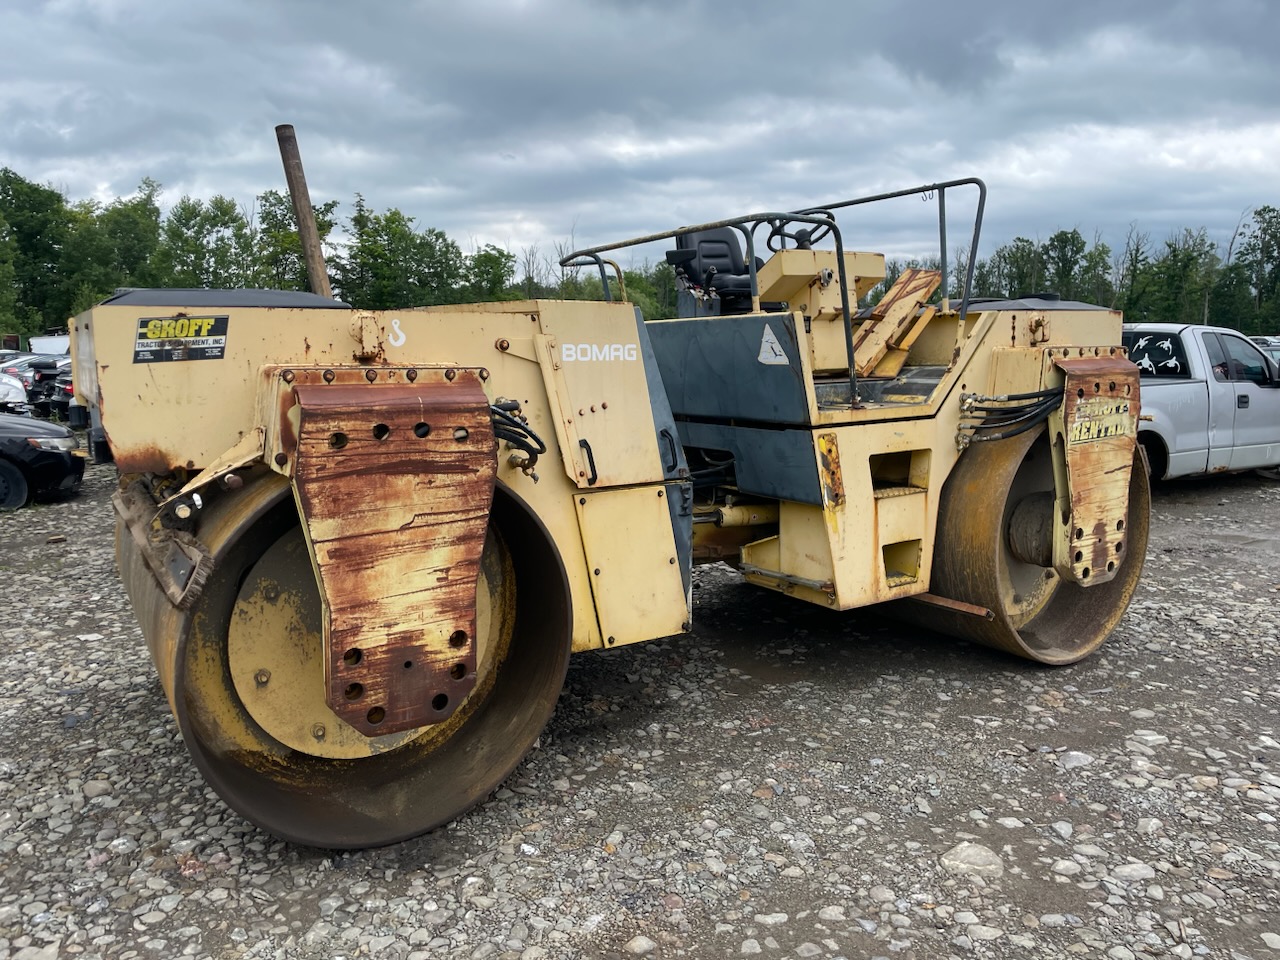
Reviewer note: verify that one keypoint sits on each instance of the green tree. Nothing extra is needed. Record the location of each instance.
(388, 264)
(1134, 277)
(489, 271)
(109, 247)
(1094, 284)
(1231, 302)
(39, 221)
(1260, 259)
(206, 245)
(1182, 278)
(1019, 268)
(278, 260)
(1063, 256)
(9, 321)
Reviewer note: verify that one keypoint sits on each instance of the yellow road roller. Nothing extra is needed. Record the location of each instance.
(362, 545)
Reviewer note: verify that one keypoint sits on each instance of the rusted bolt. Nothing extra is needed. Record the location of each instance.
(672, 560)
(271, 592)
(582, 413)
(287, 376)
(450, 374)
(604, 406)
(411, 374)
(371, 375)
(262, 677)
(328, 376)
(281, 459)
(597, 571)
(503, 344)
(593, 408)
(582, 500)
(232, 481)
(318, 731)
(484, 374)
(613, 640)
(660, 494)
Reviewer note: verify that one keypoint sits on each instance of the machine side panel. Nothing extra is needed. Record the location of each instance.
(767, 463)
(745, 368)
(594, 371)
(635, 572)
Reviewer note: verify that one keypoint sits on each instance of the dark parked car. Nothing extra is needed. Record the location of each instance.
(37, 459)
(45, 372)
(21, 367)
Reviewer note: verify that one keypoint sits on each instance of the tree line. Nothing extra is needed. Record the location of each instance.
(59, 256)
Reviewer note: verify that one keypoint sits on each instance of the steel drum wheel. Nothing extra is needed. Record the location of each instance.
(1037, 614)
(333, 787)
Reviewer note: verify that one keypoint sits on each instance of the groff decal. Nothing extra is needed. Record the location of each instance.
(168, 339)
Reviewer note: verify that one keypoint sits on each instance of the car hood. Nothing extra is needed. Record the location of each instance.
(15, 426)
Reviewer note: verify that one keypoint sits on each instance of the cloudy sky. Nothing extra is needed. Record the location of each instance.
(524, 122)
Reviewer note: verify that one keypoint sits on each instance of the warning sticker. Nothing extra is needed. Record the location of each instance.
(164, 339)
(771, 352)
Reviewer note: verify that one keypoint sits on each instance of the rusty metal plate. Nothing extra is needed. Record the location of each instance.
(893, 317)
(394, 481)
(1100, 410)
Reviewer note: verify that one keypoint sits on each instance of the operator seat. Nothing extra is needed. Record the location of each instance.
(719, 248)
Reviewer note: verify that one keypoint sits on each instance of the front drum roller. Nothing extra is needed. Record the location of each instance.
(247, 679)
(987, 502)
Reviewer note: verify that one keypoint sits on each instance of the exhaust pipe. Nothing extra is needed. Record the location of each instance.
(317, 272)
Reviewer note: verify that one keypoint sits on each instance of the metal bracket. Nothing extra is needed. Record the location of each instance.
(394, 481)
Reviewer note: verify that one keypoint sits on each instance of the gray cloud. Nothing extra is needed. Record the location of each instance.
(520, 122)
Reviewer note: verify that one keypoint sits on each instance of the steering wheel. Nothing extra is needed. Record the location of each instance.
(804, 236)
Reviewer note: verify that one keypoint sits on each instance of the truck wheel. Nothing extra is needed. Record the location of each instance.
(248, 684)
(1157, 458)
(14, 492)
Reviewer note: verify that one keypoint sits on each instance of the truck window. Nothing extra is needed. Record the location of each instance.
(1217, 357)
(1157, 354)
(1246, 360)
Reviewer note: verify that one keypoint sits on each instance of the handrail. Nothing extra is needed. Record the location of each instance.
(588, 258)
(820, 215)
(940, 189)
(755, 219)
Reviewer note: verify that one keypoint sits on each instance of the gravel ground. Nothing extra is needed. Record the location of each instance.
(783, 782)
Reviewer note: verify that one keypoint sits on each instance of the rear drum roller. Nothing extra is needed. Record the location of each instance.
(249, 689)
(992, 551)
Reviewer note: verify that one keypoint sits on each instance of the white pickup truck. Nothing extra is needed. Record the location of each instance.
(1210, 400)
